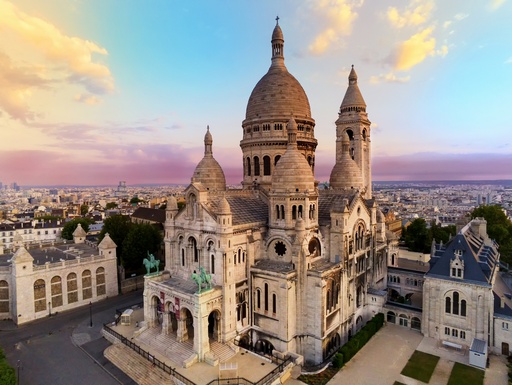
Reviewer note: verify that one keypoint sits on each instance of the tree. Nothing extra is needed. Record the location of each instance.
(135, 200)
(111, 205)
(84, 209)
(70, 227)
(442, 233)
(141, 239)
(7, 373)
(417, 237)
(499, 228)
(117, 227)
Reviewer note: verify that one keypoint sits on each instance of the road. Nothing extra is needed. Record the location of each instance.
(57, 350)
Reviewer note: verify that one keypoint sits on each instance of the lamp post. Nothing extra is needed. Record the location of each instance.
(90, 314)
(18, 367)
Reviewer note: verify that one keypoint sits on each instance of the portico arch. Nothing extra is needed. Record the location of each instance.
(214, 325)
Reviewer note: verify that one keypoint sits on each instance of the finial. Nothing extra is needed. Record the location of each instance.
(277, 20)
(352, 66)
(207, 127)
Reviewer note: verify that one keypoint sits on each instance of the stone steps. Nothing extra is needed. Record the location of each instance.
(222, 352)
(137, 367)
(167, 345)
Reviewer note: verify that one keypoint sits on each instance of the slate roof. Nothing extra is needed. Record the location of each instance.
(245, 209)
(274, 266)
(153, 215)
(479, 259)
(327, 201)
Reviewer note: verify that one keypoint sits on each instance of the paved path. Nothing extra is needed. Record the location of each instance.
(382, 359)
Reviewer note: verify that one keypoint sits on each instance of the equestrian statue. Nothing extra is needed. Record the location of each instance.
(201, 278)
(150, 263)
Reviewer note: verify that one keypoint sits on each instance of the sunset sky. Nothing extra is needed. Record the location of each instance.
(97, 91)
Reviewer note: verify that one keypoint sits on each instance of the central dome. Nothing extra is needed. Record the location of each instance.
(278, 93)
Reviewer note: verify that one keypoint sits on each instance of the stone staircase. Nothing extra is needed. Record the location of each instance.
(137, 367)
(166, 345)
(182, 353)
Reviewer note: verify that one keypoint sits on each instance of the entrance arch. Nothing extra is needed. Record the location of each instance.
(214, 325)
(391, 317)
(264, 346)
(416, 323)
(156, 312)
(188, 324)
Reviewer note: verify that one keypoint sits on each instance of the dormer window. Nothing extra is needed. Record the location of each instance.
(457, 265)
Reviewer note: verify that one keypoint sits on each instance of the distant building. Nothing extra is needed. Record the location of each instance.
(37, 282)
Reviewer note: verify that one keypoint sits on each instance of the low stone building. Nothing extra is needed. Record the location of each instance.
(37, 282)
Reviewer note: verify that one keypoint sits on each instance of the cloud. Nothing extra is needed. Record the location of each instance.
(339, 16)
(65, 59)
(414, 50)
(460, 16)
(495, 4)
(417, 13)
(17, 83)
(87, 99)
(389, 78)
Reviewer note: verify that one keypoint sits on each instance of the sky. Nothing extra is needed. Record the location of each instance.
(93, 92)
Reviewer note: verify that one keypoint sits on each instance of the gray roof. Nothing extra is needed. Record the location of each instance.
(153, 215)
(329, 201)
(245, 208)
(478, 346)
(274, 266)
(479, 259)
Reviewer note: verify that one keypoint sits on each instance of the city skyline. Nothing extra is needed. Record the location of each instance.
(92, 93)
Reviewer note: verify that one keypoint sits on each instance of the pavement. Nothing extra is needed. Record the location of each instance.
(382, 359)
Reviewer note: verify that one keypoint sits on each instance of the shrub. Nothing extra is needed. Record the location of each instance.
(337, 361)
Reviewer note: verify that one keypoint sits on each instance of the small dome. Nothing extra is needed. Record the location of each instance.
(172, 203)
(79, 231)
(346, 175)
(277, 34)
(353, 96)
(224, 207)
(293, 172)
(208, 172)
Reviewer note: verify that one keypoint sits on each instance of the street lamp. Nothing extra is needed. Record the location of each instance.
(90, 314)
(18, 367)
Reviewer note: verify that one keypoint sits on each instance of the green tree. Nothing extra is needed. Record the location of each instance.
(417, 237)
(70, 227)
(49, 218)
(84, 209)
(141, 239)
(7, 373)
(499, 228)
(117, 227)
(442, 233)
(111, 205)
(135, 200)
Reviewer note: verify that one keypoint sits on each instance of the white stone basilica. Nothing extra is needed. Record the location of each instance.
(295, 270)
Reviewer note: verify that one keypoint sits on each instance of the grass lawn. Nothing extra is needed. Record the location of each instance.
(467, 375)
(321, 378)
(420, 366)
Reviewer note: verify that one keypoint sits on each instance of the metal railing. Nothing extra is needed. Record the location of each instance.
(155, 361)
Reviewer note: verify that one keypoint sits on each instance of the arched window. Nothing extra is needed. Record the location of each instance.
(258, 298)
(239, 255)
(39, 295)
(328, 301)
(282, 211)
(266, 297)
(276, 159)
(299, 213)
(4, 297)
(72, 285)
(100, 281)
(274, 303)
(212, 266)
(294, 212)
(248, 166)
(56, 291)
(182, 257)
(463, 308)
(266, 165)
(256, 166)
(448, 305)
(455, 303)
(86, 284)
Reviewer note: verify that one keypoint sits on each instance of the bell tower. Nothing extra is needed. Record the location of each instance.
(353, 134)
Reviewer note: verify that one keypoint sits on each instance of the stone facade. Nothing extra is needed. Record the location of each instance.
(295, 270)
(38, 282)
